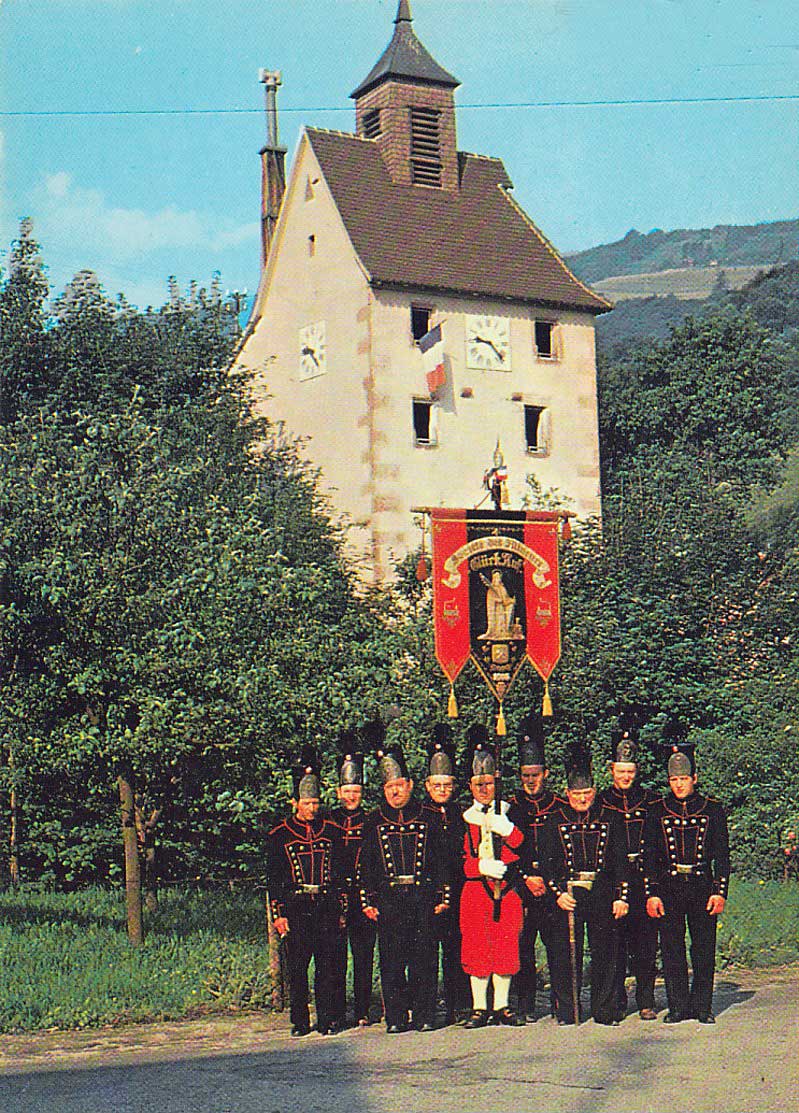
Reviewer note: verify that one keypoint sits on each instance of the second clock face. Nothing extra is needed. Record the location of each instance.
(313, 352)
(488, 342)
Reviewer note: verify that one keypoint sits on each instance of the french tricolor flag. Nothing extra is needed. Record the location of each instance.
(431, 346)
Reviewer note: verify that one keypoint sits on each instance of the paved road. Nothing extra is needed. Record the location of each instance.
(746, 1063)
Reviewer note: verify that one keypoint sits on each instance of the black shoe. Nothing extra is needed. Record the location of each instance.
(363, 1022)
(300, 1029)
(608, 1021)
(508, 1017)
(565, 1023)
(477, 1019)
(423, 1026)
(706, 1018)
(673, 1018)
(396, 1029)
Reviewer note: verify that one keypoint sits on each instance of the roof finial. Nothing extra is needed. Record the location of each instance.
(404, 12)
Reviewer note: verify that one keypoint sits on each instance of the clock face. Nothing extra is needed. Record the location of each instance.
(313, 351)
(488, 342)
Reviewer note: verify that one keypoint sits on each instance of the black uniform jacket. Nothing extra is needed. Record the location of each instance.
(304, 860)
(351, 825)
(530, 813)
(451, 829)
(631, 807)
(684, 839)
(592, 842)
(402, 849)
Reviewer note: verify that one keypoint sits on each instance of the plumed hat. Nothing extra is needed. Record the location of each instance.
(579, 774)
(350, 769)
(531, 740)
(479, 755)
(680, 758)
(441, 752)
(624, 738)
(390, 758)
(305, 775)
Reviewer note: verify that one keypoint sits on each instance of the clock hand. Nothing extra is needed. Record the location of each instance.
(490, 344)
(306, 351)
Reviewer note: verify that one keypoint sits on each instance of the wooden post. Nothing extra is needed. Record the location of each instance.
(132, 867)
(13, 836)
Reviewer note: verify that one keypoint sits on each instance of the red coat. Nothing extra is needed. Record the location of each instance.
(489, 946)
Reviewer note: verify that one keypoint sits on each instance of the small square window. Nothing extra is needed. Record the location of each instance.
(423, 432)
(420, 321)
(534, 428)
(544, 339)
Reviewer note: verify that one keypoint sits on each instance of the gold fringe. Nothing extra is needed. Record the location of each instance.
(452, 705)
(502, 729)
(546, 706)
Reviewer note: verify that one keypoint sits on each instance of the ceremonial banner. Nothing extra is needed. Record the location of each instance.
(495, 593)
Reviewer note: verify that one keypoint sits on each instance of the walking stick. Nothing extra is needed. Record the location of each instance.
(573, 958)
(276, 962)
(497, 910)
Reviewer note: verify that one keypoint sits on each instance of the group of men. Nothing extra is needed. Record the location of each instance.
(481, 883)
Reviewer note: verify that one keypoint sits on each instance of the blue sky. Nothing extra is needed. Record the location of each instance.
(155, 170)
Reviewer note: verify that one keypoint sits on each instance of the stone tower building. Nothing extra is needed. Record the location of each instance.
(381, 236)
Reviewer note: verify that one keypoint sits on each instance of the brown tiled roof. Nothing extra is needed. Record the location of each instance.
(478, 241)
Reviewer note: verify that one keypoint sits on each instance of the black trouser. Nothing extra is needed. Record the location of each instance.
(686, 899)
(537, 922)
(313, 927)
(595, 912)
(637, 944)
(447, 935)
(361, 933)
(408, 954)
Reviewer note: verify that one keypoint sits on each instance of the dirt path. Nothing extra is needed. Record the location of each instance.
(746, 1063)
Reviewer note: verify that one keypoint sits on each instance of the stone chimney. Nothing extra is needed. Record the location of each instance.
(273, 165)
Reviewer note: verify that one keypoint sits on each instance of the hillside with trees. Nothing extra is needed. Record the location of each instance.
(768, 245)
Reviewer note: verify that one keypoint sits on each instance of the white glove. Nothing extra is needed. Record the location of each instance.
(489, 867)
(499, 824)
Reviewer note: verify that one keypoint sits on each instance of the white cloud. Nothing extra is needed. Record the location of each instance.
(66, 211)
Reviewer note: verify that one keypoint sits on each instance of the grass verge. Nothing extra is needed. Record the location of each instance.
(65, 961)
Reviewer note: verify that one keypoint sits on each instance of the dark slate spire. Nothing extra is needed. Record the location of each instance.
(405, 59)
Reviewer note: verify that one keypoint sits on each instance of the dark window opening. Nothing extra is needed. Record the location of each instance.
(543, 338)
(420, 321)
(371, 123)
(425, 147)
(421, 421)
(533, 428)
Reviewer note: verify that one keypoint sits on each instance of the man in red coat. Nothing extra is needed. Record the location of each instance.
(491, 908)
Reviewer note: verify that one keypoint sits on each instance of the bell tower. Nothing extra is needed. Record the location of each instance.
(406, 105)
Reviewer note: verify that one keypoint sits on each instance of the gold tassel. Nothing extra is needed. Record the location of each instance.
(502, 730)
(546, 706)
(452, 705)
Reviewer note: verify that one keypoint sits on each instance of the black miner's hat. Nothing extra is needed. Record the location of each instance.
(390, 758)
(350, 770)
(624, 738)
(305, 775)
(441, 752)
(531, 740)
(680, 757)
(579, 774)
(479, 757)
